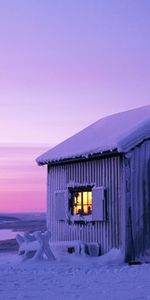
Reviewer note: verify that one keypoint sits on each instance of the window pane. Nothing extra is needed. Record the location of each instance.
(89, 202)
(85, 198)
(75, 210)
(89, 197)
(82, 202)
(79, 210)
(85, 209)
(79, 198)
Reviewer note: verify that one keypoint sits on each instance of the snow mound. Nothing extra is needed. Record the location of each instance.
(114, 256)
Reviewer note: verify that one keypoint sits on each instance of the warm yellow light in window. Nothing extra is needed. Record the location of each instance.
(83, 203)
(79, 199)
(90, 198)
(79, 209)
(84, 198)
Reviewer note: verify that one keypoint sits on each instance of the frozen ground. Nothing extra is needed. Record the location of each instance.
(72, 277)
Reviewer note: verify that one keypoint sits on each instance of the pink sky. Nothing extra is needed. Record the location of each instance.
(22, 183)
(63, 65)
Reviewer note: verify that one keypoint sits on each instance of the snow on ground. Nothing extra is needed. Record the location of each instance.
(73, 277)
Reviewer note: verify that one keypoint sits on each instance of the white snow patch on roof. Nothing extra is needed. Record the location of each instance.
(120, 131)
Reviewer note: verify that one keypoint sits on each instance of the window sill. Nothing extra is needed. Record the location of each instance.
(79, 218)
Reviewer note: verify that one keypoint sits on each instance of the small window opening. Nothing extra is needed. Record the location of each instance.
(81, 201)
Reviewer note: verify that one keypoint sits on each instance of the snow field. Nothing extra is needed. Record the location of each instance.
(73, 277)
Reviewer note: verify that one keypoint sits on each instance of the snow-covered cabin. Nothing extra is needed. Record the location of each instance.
(98, 185)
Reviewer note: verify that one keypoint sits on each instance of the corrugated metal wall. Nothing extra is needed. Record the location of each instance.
(137, 188)
(102, 172)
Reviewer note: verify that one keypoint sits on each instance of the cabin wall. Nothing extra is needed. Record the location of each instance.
(103, 172)
(137, 199)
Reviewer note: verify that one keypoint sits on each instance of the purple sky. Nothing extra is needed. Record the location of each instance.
(63, 65)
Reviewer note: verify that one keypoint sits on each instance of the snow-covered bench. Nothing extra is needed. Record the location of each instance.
(61, 248)
(35, 246)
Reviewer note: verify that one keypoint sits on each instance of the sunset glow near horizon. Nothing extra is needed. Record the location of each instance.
(63, 65)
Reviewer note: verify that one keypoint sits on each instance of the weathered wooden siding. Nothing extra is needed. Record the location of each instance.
(102, 172)
(137, 197)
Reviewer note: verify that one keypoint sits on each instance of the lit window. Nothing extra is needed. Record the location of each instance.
(81, 202)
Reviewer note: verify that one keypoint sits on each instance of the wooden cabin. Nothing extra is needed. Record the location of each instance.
(98, 184)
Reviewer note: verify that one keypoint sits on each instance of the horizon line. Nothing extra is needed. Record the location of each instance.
(21, 212)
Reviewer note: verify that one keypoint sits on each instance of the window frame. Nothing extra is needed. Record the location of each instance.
(79, 189)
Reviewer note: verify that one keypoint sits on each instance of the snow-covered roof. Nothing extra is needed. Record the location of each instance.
(120, 131)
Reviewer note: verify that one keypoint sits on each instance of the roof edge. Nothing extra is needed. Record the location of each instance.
(138, 135)
(68, 160)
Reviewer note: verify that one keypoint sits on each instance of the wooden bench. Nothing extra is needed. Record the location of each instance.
(35, 246)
